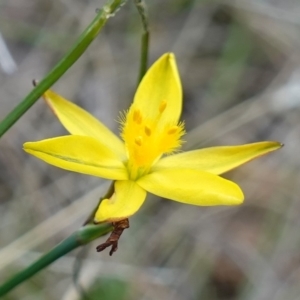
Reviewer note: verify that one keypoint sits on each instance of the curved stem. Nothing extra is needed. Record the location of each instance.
(141, 7)
(81, 237)
(64, 64)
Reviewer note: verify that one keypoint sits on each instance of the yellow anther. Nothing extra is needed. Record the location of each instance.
(172, 130)
(138, 140)
(147, 130)
(162, 106)
(137, 116)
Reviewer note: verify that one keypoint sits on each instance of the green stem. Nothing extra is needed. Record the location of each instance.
(81, 237)
(141, 7)
(144, 55)
(64, 64)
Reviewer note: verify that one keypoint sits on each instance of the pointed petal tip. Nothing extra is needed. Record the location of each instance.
(239, 200)
(280, 144)
(169, 57)
(172, 58)
(236, 199)
(276, 145)
(25, 145)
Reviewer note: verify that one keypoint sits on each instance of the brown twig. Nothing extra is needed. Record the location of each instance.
(114, 237)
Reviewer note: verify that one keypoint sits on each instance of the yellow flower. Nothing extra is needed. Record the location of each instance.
(146, 160)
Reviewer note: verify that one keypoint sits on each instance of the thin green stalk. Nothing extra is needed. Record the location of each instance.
(144, 55)
(81, 237)
(64, 64)
(141, 7)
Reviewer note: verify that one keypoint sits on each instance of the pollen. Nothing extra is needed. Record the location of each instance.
(148, 137)
(147, 130)
(162, 106)
(137, 116)
(138, 140)
(173, 130)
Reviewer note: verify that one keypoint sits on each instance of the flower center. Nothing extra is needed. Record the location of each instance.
(147, 139)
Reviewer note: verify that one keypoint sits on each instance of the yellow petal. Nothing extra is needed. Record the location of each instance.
(126, 200)
(79, 122)
(160, 91)
(192, 187)
(80, 154)
(217, 160)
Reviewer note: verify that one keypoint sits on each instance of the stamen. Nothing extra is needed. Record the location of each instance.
(162, 106)
(138, 140)
(147, 130)
(172, 130)
(137, 116)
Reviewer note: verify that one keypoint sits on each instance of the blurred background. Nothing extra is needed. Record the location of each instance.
(240, 69)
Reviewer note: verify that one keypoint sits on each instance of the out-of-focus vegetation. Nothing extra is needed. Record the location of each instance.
(239, 64)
